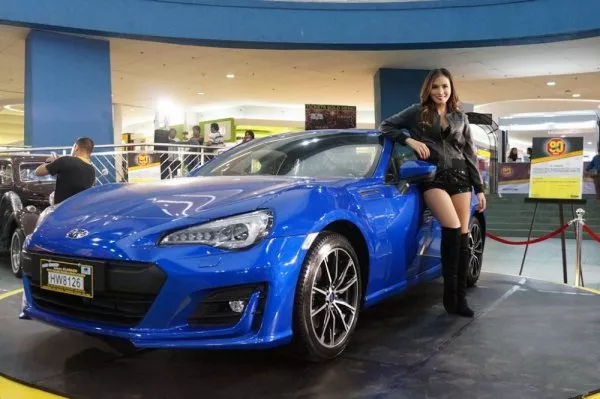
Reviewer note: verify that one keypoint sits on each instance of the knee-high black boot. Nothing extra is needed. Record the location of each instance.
(450, 253)
(462, 307)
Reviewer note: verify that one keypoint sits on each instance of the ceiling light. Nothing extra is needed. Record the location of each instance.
(551, 83)
(563, 135)
(200, 93)
(230, 76)
(14, 108)
(589, 143)
(575, 95)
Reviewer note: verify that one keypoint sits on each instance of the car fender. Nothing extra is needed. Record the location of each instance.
(342, 215)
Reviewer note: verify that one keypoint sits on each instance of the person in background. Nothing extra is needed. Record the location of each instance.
(196, 138)
(438, 131)
(527, 158)
(513, 155)
(594, 170)
(74, 173)
(215, 137)
(248, 136)
(193, 159)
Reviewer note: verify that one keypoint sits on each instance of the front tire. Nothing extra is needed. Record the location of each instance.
(16, 244)
(328, 299)
(476, 251)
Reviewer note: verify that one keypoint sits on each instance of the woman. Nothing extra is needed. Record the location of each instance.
(438, 131)
(513, 155)
(248, 136)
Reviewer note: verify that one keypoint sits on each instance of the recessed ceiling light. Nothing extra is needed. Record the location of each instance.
(589, 143)
(230, 76)
(200, 93)
(575, 95)
(551, 83)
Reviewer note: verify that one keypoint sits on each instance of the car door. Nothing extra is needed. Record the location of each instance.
(406, 231)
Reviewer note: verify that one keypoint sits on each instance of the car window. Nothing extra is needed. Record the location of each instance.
(333, 155)
(400, 154)
(27, 173)
(6, 174)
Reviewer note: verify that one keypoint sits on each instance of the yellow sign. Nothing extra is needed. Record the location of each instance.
(556, 147)
(142, 159)
(556, 168)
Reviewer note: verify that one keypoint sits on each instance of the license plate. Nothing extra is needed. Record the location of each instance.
(67, 278)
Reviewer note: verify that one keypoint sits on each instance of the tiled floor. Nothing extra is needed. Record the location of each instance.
(544, 260)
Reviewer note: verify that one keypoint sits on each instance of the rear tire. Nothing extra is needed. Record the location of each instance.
(328, 299)
(16, 245)
(476, 250)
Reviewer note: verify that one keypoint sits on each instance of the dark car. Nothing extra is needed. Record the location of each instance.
(23, 197)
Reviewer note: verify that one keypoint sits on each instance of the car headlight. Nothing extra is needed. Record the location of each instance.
(234, 232)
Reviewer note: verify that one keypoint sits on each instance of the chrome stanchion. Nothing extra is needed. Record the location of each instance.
(579, 221)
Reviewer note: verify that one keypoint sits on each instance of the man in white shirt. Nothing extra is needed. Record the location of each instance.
(215, 137)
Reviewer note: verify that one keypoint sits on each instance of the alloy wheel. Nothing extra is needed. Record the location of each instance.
(476, 250)
(334, 298)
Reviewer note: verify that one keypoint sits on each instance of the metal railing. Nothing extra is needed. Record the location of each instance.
(134, 162)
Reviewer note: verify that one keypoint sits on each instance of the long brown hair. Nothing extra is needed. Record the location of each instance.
(428, 107)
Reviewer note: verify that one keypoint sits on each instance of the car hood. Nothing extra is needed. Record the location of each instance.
(196, 198)
(120, 218)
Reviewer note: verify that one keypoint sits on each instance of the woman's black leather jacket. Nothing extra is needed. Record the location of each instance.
(456, 151)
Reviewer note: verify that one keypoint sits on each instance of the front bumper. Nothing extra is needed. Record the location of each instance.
(194, 286)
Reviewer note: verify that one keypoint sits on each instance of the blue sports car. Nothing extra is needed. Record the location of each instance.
(278, 241)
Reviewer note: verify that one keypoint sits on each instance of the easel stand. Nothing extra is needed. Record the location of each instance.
(560, 203)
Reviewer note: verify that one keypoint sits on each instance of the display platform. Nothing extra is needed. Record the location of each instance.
(529, 339)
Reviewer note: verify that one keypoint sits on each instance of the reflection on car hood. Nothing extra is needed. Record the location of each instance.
(179, 198)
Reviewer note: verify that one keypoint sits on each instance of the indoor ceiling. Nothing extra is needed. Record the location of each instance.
(145, 72)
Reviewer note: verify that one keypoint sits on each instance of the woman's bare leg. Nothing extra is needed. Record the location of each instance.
(442, 207)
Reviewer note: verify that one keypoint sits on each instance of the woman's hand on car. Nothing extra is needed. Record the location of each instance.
(420, 148)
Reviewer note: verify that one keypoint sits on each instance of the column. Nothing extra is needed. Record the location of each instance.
(396, 89)
(67, 90)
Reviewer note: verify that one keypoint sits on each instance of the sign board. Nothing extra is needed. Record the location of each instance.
(556, 168)
(319, 117)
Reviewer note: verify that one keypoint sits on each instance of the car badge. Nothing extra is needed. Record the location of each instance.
(76, 234)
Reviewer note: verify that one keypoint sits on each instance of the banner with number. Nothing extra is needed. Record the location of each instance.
(329, 117)
(556, 168)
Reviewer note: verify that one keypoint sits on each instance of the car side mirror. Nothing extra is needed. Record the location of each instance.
(416, 171)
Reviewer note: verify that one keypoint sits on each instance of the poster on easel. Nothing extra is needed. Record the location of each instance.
(556, 168)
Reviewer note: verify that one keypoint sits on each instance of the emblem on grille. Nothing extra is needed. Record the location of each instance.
(76, 234)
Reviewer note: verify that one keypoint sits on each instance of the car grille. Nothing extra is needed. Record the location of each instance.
(128, 292)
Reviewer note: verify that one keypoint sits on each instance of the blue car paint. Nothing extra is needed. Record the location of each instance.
(128, 220)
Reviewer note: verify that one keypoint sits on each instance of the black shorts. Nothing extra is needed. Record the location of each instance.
(453, 181)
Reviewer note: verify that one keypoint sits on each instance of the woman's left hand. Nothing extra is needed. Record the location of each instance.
(482, 202)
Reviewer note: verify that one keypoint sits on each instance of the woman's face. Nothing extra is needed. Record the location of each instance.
(440, 90)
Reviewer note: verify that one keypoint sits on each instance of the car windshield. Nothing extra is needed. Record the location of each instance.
(337, 155)
(27, 173)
